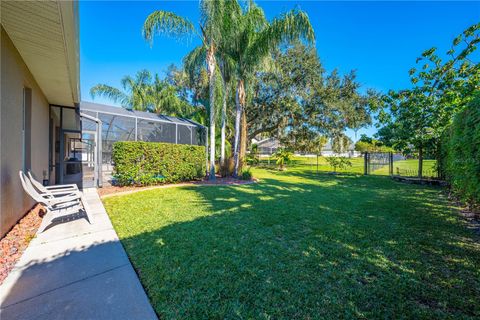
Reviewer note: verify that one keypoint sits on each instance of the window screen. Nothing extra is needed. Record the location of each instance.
(154, 131)
(115, 128)
(88, 125)
(198, 136)
(184, 134)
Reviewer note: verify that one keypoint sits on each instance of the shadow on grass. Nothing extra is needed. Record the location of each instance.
(301, 246)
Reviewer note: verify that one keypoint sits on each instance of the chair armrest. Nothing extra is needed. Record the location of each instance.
(64, 186)
(64, 199)
(57, 193)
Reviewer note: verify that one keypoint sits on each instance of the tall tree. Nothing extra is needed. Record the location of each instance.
(252, 41)
(281, 95)
(164, 22)
(226, 67)
(298, 100)
(440, 89)
(194, 63)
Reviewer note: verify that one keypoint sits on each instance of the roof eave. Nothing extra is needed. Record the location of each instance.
(69, 15)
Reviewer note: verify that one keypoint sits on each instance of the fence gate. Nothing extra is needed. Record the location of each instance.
(378, 161)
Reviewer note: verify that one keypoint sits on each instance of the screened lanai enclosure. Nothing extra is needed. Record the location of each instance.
(82, 139)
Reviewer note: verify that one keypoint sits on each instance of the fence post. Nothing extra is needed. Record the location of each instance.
(365, 163)
(391, 163)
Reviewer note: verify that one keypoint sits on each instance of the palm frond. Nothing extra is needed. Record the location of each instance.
(195, 60)
(143, 76)
(227, 66)
(138, 88)
(166, 23)
(290, 26)
(111, 93)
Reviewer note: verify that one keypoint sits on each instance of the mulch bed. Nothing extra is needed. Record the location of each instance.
(109, 190)
(423, 181)
(16, 240)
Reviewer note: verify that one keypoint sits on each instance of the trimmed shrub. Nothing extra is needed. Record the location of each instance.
(460, 157)
(246, 174)
(147, 163)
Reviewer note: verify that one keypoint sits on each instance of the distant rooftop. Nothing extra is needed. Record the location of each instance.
(275, 143)
(102, 108)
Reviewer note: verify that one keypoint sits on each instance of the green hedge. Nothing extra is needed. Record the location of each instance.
(147, 163)
(461, 153)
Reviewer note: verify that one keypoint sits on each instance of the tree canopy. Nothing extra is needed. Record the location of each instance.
(146, 93)
(441, 87)
(297, 100)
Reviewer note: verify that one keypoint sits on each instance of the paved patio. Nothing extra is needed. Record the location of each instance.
(75, 270)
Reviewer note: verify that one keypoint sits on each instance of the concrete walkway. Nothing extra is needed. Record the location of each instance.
(75, 270)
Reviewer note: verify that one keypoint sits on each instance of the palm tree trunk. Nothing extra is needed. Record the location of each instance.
(238, 115)
(243, 138)
(224, 124)
(211, 85)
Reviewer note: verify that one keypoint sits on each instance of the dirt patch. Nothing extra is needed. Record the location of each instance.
(16, 240)
(471, 215)
(116, 190)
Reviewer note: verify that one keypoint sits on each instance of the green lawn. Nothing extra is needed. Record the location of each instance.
(301, 246)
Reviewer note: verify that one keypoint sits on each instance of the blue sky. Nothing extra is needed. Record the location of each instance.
(380, 40)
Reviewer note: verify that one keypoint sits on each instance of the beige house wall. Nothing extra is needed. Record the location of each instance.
(15, 76)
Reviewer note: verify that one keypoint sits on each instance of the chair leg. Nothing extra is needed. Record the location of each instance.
(46, 221)
(88, 212)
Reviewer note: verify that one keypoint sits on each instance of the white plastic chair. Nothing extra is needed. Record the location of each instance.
(53, 190)
(56, 205)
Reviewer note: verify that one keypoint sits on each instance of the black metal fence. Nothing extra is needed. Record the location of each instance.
(413, 172)
(378, 160)
(387, 163)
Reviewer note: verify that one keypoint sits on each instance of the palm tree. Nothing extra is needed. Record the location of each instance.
(164, 22)
(226, 66)
(193, 64)
(140, 93)
(251, 42)
(135, 91)
(164, 99)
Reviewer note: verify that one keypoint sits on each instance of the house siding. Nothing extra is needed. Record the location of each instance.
(15, 76)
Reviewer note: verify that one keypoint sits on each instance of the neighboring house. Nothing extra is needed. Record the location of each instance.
(267, 146)
(271, 145)
(327, 151)
(39, 95)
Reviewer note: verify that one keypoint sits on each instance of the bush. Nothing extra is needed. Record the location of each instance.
(283, 157)
(246, 174)
(460, 156)
(147, 163)
(338, 162)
